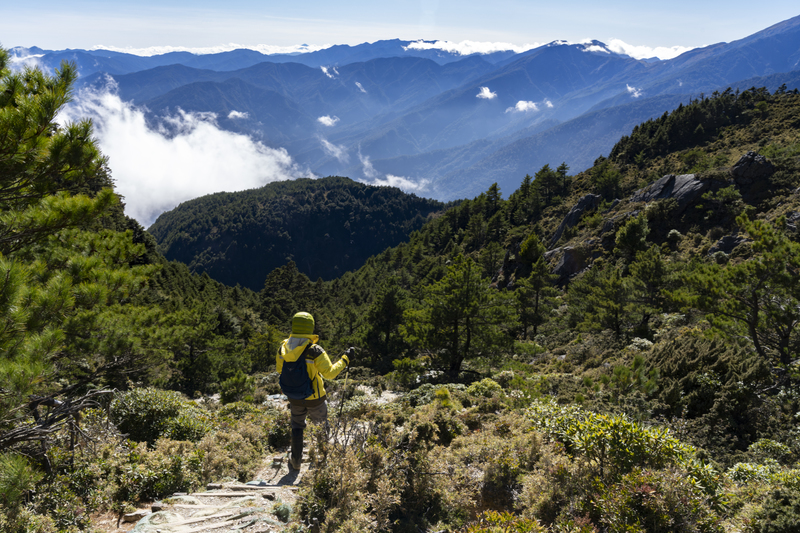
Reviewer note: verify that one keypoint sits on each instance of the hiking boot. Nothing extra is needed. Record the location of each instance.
(296, 456)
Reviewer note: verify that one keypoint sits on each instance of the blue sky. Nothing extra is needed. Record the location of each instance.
(59, 24)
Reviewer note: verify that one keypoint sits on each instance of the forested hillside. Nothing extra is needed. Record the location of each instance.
(326, 226)
(615, 350)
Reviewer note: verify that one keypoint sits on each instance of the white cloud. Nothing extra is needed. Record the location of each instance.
(400, 182)
(366, 164)
(337, 151)
(155, 172)
(636, 93)
(465, 48)
(328, 120)
(596, 48)
(325, 71)
(646, 52)
(548, 103)
(21, 58)
(361, 88)
(263, 48)
(238, 114)
(486, 94)
(523, 106)
(618, 46)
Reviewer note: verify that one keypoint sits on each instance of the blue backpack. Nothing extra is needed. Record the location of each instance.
(295, 381)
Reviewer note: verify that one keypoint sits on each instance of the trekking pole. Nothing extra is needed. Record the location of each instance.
(344, 390)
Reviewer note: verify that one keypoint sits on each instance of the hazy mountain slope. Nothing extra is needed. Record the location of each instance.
(327, 226)
(277, 118)
(577, 142)
(460, 116)
(111, 62)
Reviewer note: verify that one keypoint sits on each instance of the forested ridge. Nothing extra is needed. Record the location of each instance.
(613, 350)
(326, 226)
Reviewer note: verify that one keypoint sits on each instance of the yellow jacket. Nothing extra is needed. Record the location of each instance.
(318, 363)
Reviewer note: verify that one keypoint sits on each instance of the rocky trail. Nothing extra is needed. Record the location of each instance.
(259, 506)
(262, 505)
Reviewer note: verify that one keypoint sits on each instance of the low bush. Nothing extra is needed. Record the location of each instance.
(146, 414)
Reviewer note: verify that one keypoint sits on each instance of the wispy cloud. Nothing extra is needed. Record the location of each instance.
(645, 52)
(334, 150)
(330, 72)
(155, 172)
(400, 182)
(366, 165)
(486, 94)
(635, 92)
(469, 47)
(21, 58)
(328, 120)
(263, 48)
(548, 103)
(523, 106)
(238, 114)
(361, 88)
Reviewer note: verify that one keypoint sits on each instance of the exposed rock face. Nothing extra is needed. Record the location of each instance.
(572, 261)
(588, 202)
(684, 188)
(751, 167)
(727, 244)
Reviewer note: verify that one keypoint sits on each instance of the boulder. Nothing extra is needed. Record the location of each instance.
(572, 261)
(684, 188)
(587, 203)
(136, 515)
(727, 244)
(160, 522)
(751, 167)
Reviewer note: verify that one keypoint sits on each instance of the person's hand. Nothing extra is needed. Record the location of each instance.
(348, 354)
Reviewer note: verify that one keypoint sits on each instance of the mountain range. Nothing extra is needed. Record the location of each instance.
(451, 124)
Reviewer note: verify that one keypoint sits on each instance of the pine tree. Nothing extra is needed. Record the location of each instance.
(758, 299)
(461, 317)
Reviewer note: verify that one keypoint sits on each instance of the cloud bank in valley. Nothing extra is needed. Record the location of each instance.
(155, 171)
(646, 52)
(466, 48)
(263, 48)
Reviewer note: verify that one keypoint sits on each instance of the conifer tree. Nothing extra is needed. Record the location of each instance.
(758, 299)
(461, 317)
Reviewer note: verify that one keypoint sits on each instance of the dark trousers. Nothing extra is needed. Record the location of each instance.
(316, 409)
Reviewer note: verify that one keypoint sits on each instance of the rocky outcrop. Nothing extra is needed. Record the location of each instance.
(587, 203)
(751, 167)
(572, 260)
(683, 188)
(727, 244)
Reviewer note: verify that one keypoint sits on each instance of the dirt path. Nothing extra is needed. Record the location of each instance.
(260, 506)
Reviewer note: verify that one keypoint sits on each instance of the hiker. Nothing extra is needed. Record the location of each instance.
(302, 365)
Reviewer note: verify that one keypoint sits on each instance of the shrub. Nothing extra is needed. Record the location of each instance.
(780, 512)
(655, 502)
(236, 388)
(494, 522)
(485, 388)
(147, 414)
